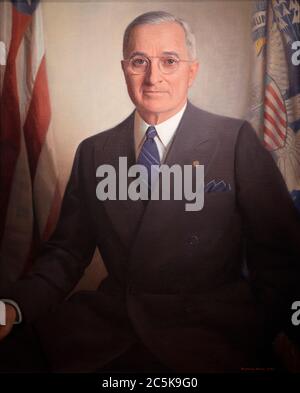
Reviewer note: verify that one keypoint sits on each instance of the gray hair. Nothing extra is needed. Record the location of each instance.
(156, 18)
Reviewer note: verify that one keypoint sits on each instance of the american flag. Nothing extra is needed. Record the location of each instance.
(275, 103)
(29, 192)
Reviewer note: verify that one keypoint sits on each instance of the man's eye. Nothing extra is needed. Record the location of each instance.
(139, 61)
(170, 62)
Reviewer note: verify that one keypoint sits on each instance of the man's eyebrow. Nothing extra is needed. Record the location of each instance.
(171, 53)
(138, 53)
(168, 53)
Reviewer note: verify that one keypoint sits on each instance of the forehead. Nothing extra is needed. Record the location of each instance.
(164, 37)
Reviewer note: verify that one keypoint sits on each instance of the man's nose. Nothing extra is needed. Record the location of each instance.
(153, 73)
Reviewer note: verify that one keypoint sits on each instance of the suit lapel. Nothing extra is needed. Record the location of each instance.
(192, 140)
(193, 143)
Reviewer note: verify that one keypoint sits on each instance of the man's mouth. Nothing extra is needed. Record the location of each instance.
(154, 92)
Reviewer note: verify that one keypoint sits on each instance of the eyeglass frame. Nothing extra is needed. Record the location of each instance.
(127, 61)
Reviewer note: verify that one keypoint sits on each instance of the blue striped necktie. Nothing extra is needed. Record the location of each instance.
(149, 153)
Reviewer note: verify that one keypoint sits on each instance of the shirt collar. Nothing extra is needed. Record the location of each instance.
(165, 130)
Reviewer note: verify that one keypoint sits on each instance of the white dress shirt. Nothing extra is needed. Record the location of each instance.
(165, 133)
(165, 130)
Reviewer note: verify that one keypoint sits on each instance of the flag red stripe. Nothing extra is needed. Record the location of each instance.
(273, 122)
(20, 22)
(53, 214)
(269, 147)
(10, 123)
(38, 118)
(274, 94)
(271, 105)
(271, 136)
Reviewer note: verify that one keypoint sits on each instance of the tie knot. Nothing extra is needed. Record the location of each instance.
(151, 132)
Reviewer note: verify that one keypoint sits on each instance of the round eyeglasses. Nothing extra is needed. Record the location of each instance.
(140, 64)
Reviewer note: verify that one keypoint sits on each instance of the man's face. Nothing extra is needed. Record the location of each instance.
(158, 96)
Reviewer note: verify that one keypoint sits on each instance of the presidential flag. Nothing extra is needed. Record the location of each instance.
(275, 101)
(29, 192)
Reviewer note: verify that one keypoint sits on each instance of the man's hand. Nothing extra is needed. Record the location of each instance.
(11, 316)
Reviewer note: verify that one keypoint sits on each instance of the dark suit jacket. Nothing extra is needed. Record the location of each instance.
(174, 277)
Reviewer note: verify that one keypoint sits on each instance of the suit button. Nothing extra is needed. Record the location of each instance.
(193, 240)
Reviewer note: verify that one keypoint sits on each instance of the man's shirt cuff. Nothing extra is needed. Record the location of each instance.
(3, 311)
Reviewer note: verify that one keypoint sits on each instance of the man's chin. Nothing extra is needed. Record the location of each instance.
(156, 106)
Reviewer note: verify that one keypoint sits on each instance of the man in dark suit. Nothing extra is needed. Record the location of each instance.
(176, 297)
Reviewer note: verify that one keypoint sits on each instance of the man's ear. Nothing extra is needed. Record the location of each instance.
(194, 67)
